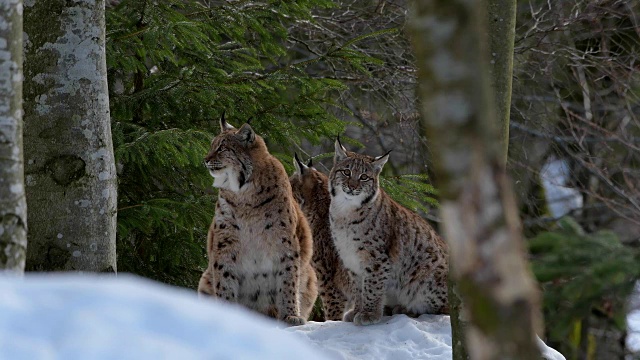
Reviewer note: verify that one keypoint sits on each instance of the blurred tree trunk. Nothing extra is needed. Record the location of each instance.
(13, 206)
(478, 208)
(501, 26)
(70, 170)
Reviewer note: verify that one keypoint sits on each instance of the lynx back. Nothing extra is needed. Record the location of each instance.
(311, 189)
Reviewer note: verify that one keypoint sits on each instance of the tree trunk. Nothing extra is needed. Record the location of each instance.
(501, 26)
(13, 206)
(70, 170)
(477, 204)
(501, 21)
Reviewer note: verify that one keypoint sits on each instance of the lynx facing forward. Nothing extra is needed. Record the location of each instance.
(395, 256)
(311, 189)
(259, 242)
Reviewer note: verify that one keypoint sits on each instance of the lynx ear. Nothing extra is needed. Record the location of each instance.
(246, 134)
(340, 152)
(310, 163)
(379, 162)
(224, 126)
(300, 167)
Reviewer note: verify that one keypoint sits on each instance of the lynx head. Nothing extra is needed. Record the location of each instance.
(308, 184)
(354, 177)
(230, 160)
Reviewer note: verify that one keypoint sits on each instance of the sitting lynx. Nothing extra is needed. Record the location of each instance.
(259, 243)
(395, 256)
(311, 189)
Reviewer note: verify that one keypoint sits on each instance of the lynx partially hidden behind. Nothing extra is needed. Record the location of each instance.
(395, 257)
(311, 189)
(259, 243)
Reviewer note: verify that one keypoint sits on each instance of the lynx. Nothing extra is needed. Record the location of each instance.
(395, 257)
(259, 243)
(311, 189)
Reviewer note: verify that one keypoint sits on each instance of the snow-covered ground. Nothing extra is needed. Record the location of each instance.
(68, 317)
(398, 337)
(85, 317)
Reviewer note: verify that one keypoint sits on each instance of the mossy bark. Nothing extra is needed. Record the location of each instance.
(70, 169)
(501, 26)
(13, 206)
(458, 343)
(478, 208)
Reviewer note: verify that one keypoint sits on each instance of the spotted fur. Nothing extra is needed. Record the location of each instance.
(396, 259)
(311, 189)
(259, 243)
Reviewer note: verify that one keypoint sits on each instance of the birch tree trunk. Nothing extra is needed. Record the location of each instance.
(70, 170)
(13, 206)
(478, 208)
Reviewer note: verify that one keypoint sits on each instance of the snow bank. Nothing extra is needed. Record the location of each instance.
(86, 317)
(398, 337)
(66, 316)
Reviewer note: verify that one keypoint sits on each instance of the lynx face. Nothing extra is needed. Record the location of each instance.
(228, 160)
(354, 177)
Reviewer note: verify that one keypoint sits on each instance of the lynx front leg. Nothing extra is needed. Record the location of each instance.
(225, 278)
(355, 298)
(288, 286)
(205, 286)
(334, 302)
(374, 286)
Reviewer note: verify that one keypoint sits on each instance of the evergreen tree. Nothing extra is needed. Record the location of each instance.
(587, 279)
(174, 67)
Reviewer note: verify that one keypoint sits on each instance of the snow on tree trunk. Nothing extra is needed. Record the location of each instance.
(13, 206)
(478, 208)
(70, 170)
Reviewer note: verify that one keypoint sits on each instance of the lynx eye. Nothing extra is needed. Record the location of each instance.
(346, 172)
(364, 177)
(221, 148)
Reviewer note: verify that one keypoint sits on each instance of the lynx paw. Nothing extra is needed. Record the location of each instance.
(294, 320)
(366, 318)
(349, 315)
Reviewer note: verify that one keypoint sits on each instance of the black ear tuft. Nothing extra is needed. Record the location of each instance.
(340, 152)
(224, 126)
(300, 167)
(310, 163)
(379, 161)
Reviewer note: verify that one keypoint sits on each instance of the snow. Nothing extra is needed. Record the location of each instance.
(633, 338)
(398, 337)
(561, 199)
(86, 317)
(71, 316)
(633, 321)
